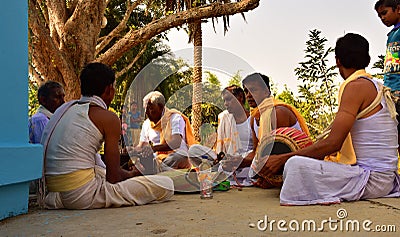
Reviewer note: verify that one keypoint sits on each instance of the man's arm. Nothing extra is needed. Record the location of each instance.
(284, 117)
(178, 129)
(356, 96)
(109, 125)
(173, 144)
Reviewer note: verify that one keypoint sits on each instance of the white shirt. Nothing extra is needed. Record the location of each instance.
(245, 136)
(177, 125)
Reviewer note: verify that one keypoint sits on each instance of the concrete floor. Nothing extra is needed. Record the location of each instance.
(231, 213)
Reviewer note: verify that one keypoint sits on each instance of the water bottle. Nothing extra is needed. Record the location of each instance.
(205, 179)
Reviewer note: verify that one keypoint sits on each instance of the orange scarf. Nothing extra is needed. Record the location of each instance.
(164, 127)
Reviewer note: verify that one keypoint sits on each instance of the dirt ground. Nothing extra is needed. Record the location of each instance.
(230, 213)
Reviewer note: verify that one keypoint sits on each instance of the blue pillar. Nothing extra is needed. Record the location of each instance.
(20, 162)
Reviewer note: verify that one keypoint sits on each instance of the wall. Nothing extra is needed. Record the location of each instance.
(20, 162)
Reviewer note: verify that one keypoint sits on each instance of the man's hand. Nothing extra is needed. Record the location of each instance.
(274, 165)
(144, 151)
(231, 163)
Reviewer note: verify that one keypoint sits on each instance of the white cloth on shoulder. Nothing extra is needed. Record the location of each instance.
(71, 144)
(309, 181)
(228, 140)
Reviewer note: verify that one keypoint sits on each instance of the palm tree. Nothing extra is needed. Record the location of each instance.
(196, 37)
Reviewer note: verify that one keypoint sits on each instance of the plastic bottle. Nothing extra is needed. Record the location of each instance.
(205, 179)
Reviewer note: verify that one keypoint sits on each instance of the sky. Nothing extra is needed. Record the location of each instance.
(273, 39)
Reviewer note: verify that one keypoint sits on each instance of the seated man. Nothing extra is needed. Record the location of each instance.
(267, 114)
(234, 136)
(167, 131)
(364, 127)
(258, 94)
(71, 141)
(50, 96)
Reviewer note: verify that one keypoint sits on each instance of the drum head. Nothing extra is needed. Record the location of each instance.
(281, 141)
(274, 148)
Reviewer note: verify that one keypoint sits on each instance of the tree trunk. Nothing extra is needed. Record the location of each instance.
(197, 78)
(64, 35)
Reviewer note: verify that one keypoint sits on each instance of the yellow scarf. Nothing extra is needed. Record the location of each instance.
(346, 155)
(263, 114)
(265, 105)
(164, 127)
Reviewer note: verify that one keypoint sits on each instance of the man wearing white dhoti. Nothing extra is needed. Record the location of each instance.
(71, 141)
(364, 133)
(234, 137)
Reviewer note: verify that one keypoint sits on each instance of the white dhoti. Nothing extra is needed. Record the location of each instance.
(98, 193)
(308, 181)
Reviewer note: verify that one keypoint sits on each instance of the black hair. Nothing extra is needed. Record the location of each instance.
(258, 77)
(95, 77)
(45, 89)
(236, 91)
(387, 3)
(352, 50)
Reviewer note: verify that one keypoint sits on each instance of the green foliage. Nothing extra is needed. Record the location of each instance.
(211, 93)
(154, 47)
(213, 79)
(288, 97)
(317, 101)
(178, 91)
(236, 79)
(176, 81)
(379, 65)
(33, 102)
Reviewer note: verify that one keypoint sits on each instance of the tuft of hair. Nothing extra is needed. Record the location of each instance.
(95, 77)
(262, 79)
(352, 50)
(45, 89)
(387, 3)
(154, 97)
(236, 91)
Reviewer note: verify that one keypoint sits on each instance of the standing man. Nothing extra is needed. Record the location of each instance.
(135, 119)
(50, 96)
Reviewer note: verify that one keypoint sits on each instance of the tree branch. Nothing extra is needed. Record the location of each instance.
(47, 59)
(117, 30)
(43, 9)
(134, 37)
(57, 11)
(91, 13)
(127, 68)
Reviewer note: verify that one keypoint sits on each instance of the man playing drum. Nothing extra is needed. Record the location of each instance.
(363, 131)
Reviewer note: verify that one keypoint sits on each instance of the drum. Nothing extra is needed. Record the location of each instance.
(282, 140)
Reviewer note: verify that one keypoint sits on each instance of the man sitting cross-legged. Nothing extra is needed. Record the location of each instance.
(364, 132)
(167, 132)
(267, 114)
(234, 137)
(71, 141)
